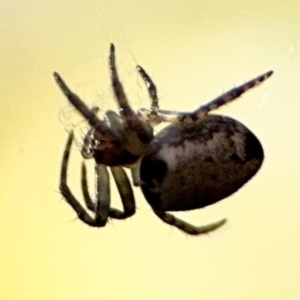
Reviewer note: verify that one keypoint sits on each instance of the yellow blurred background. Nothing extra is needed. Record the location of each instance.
(194, 50)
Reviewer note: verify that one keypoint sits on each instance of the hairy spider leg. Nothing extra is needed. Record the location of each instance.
(150, 116)
(123, 186)
(154, 115)
(65, 190)
(86, 112)
(126, 194)
(152, 91)
(187, 227)
(229, 96)
(142, 130)
(171, 116)
(101, 207)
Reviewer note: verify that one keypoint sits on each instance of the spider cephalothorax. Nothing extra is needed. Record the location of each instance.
(195, 161)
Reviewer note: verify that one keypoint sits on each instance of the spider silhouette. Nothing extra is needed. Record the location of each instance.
(197, 160)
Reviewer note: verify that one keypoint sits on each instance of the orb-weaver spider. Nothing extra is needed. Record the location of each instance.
(197, 160)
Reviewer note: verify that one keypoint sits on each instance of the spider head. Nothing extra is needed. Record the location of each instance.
(113, 142)
(117, 139)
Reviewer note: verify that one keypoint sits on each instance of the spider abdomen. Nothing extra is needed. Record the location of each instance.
(192, 165)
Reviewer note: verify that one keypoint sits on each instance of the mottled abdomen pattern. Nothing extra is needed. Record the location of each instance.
(192, 165)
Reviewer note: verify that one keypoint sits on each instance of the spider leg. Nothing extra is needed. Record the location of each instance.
(160, 116)
(152, 115)
(171, 116)
(230, 95)
(141, 129)
(152, 90)
(135, 174)
(126, 194)
(123, 185)
(65, 190)
(187, 227)
(102, 194)
(102, 204)
(90, 204)
(89, 114)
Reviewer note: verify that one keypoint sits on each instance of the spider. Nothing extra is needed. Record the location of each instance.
(197, 160)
